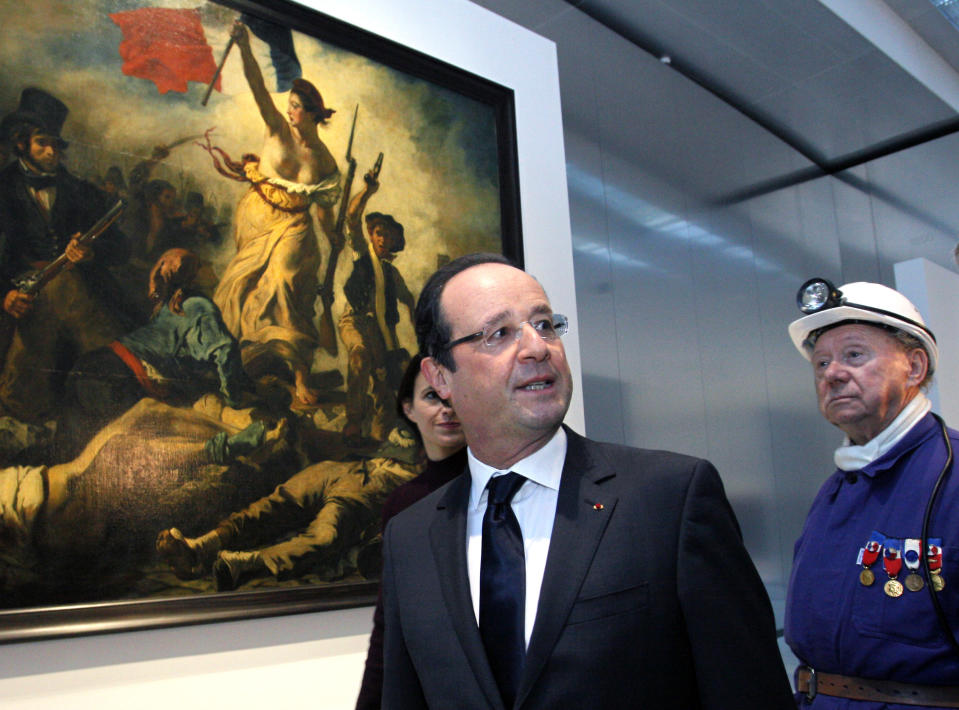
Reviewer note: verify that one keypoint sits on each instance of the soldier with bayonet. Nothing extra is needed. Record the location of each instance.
(44, 212)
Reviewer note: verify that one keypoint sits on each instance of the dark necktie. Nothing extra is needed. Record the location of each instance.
(503, 586)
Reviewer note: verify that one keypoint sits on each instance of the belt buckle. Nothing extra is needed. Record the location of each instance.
(813, 689)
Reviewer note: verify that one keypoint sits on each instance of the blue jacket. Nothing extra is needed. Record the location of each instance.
(836, 624)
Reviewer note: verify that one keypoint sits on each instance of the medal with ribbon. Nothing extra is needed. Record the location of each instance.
(934, 556)
(892, 563)
(870, 553)
(912, 556)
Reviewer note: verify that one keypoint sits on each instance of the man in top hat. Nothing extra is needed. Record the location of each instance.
(43, 209)
(876, 550)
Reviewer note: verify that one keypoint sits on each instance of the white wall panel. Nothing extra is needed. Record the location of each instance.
(935, 292)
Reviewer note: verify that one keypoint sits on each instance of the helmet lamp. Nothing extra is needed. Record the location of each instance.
(816, 294)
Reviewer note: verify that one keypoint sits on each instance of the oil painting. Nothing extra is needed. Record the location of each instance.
(215, 220)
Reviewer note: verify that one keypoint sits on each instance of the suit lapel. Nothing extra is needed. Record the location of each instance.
(577, 529)
(448, 543)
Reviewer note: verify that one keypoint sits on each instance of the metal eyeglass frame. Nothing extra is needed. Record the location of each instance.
(559, 322)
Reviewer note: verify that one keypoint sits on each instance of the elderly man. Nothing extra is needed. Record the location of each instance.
(615, 578)
(868, 610)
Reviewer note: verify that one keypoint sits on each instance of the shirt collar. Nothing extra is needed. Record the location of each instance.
(918, 434)
(544, 466)
(27, 169)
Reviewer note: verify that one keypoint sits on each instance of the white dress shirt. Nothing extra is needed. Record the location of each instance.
(535, 508)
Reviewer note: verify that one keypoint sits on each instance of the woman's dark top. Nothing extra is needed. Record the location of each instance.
(437, 474)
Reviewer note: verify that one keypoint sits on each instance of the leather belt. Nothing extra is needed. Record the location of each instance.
(813, 683)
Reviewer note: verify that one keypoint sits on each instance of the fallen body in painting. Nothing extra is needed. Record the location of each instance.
(322, 520)
(84, 530)
(87, 530)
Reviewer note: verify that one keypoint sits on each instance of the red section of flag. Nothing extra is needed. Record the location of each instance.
(166, 46)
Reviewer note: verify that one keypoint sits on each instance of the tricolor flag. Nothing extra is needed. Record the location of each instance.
(166, 46)
(282, 56)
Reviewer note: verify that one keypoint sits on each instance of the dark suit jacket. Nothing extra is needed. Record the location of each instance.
(26, 236)
(649, 598)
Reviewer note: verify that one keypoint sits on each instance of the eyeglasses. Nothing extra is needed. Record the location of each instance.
(496, 337)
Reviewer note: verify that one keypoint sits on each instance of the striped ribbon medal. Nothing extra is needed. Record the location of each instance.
(892, 563)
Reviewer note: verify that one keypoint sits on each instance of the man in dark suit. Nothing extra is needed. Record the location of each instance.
(635, 588)
(43, 209)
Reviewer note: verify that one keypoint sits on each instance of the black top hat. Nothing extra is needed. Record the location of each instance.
(37, 108)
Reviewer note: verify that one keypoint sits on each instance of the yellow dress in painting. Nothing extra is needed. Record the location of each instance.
(267, 293)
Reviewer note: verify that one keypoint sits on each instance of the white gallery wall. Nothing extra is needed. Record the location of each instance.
(935, 292)
(316, 660)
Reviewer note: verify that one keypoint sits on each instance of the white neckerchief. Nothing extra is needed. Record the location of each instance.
(850, 457)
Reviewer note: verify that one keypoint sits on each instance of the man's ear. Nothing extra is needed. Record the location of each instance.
(918, 366)
(436, 375)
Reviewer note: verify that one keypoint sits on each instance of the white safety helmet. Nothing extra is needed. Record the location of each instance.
(859, 302)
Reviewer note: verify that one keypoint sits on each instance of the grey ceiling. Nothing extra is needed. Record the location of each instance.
(841, 82)
(798, 69)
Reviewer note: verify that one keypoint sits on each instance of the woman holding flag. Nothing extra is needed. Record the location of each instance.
(267, 292)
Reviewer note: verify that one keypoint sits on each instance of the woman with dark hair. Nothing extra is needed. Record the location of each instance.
(268, 289)
(445, 449)
(326, 519)
(439, 433)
